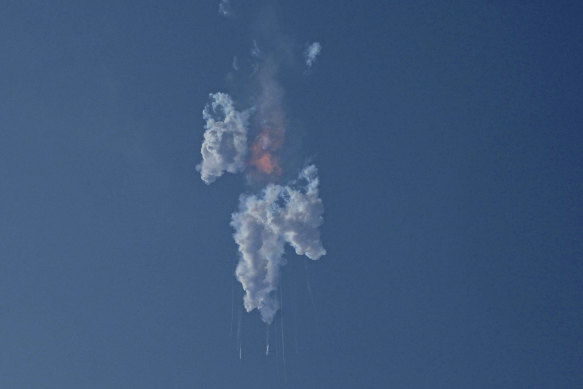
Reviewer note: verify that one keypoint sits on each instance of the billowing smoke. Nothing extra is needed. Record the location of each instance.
(312, 53)
(264, 224)
(225, 140)
(252, 142)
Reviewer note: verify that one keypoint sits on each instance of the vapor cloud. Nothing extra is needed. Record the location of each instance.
(264, 223)
(312, 53)
(224, 148)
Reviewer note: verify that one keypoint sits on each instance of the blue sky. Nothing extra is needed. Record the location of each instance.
(448, 141)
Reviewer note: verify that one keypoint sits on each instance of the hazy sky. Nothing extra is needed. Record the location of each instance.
(448, 139)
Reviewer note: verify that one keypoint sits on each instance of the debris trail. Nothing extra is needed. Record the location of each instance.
(232, 303)
(282, 335)
(294, 303)
(309, 287)
(267, 339)
(239, 346)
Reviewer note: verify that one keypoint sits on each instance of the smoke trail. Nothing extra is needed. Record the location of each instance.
(309, 288)
(264, 223)
(232, 304)
(267, 339)
(239, 345)
(282, 338)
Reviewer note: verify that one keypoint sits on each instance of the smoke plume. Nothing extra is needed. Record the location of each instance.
(252, 142)
(264, 224)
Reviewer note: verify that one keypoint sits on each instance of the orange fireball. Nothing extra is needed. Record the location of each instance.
(263, 153)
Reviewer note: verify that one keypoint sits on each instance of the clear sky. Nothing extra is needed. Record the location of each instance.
(448, 138)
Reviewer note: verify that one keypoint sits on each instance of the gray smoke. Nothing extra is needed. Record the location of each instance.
(264, 224)
(224, 148)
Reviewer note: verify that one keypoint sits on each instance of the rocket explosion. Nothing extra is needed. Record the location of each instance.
(264, 158)
(272, 213)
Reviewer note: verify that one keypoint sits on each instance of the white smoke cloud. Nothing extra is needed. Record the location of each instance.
(280, 214)
(225, 139)
(312, 53)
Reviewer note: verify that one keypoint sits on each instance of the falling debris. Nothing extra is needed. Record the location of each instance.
(282, 340)
(267, 341)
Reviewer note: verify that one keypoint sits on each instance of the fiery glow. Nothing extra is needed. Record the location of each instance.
(267, 164)
(264, 158)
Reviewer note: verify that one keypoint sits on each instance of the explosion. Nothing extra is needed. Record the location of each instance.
(264, 159)
(272, 212)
